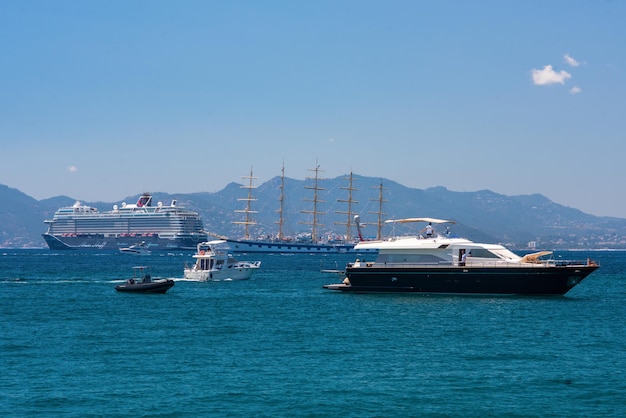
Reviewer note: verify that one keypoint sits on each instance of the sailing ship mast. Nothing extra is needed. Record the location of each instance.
(248, 211)
(315, 201)
(380, 212)
(350, 201)
(281, 199)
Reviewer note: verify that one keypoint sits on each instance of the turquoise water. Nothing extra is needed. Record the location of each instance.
(280, 345)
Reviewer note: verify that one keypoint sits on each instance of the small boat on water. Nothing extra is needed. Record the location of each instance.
(434, 263)
(142, 282)
(138, 249)
(214, 262)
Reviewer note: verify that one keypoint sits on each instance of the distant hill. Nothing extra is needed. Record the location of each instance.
(21, 219)
(483, 215)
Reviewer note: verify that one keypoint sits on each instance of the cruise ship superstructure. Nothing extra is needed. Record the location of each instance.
(160, 227)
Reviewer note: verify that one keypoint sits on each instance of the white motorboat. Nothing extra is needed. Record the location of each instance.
(213, 262)
(139, 249)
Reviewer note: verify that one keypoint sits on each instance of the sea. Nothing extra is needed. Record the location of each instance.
(279, 345)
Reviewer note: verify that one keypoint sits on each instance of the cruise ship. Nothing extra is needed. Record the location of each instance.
(160, 227)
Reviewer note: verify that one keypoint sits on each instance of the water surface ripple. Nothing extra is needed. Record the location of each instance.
(280, 345)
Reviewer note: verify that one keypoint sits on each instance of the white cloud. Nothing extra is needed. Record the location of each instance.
(549, 76)
(575, 90)
(571, 61)
(72, 169)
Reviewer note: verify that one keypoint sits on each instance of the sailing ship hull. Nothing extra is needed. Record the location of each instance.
(245, 246)
(102, 242)
(552, 280)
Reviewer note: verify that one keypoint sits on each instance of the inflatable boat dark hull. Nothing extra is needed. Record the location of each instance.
(161, 286)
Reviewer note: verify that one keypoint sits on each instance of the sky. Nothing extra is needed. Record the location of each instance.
(101, 100)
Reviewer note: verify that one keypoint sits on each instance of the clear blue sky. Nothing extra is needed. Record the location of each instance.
(100, 100)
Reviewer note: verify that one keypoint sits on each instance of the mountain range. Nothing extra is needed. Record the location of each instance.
(515, 221)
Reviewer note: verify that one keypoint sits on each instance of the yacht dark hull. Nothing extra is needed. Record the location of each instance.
(102, 242)
(551, 280)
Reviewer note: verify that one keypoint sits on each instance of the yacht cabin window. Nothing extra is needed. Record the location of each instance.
(502, 254)
(409, 258)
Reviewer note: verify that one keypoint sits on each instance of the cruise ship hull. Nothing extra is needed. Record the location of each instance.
(101, 242)
(552, 280)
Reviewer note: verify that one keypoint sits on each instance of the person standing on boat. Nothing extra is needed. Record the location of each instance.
(463, 258)
(429, 230)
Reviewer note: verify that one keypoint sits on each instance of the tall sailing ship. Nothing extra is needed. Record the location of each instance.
(160, 227)
(308, 242)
